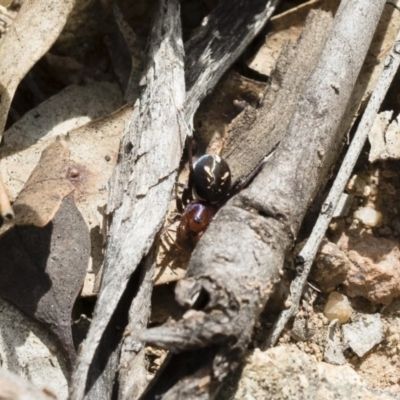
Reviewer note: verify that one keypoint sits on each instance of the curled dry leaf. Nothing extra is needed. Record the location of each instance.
(35, 29)
(73, 107)
(43, 268)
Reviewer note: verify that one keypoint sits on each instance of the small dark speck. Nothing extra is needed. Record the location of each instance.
(335, 88)
(37, 115)
(107, 158)
(128, 148)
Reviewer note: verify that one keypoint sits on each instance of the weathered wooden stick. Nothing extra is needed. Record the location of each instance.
(132, 376)
(224, 35)
(143, 180)
(310, 249)
(230, 277)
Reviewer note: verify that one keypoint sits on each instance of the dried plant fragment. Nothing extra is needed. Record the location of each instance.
(143, 179)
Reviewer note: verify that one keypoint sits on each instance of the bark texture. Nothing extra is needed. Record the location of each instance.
(224, 35)
(143, 180)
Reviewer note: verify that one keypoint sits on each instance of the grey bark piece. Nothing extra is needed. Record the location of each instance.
(143, 180)
(236, 274)
(132, 370)
(224, 35)
(364, 333)
(266, 125)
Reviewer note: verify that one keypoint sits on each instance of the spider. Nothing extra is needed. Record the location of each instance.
(209, 188)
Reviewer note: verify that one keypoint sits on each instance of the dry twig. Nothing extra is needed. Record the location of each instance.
(310, 249)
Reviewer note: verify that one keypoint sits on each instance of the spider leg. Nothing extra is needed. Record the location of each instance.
(171, 221)
(187, 194)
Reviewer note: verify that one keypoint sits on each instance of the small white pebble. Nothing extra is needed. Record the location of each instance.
(288, 304)
(366, 191)
(368, 216)
(374, 189)
(338, 307)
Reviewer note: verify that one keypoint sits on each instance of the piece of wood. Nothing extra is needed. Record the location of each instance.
(256, 131)
(143, 180)
(234, 274)
(132, 376)
(224, 35)
(310, 249)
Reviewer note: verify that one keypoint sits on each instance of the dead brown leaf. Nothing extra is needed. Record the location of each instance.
(46, 188)
(35, 29)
